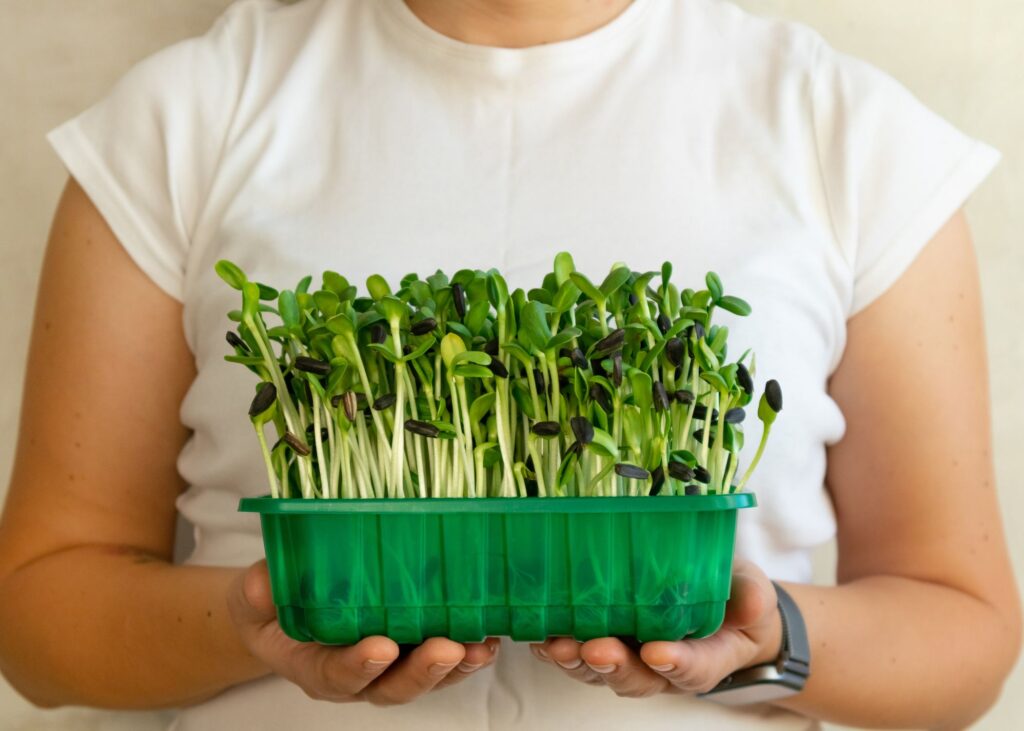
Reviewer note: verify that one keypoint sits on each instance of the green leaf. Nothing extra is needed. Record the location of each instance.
(250, 300)
(327, 302)
(303, 286)
(267, 292)
(707, 360)
(714, 286)
(563, 338)
(377, 286)
(523, 400)
(642, 386)
(289, 309)
(481, 407)
(421, 348)
(615, 279)
(392, 308)
(718, 340)
(471, 370)
(735, 305)
(230, 273)
(341, 325)
(446, 429)
(459, 329)
(519, 353)
(564, 266)
(603, 444)
(385, 350)
(334, 282)
(567, 295)
(640, 285)
(497, 290)
(451, 346)
(471, 356)
(535, 325)
(566, 469)
(244, 359)
(684, 456)
(477, 316)
(716, 381)
(587, 287)
(666, 272)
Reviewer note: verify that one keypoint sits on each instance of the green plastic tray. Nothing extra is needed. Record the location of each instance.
(653, 568)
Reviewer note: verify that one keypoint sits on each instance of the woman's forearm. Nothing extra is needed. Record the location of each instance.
(115, 628)
(888, 651)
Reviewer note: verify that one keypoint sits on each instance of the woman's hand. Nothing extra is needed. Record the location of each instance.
(370, 670)
(750, 635)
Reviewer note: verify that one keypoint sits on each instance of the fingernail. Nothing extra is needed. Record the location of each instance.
(603, 669)
(663, 668)
(468, 667)
(570, 664)
(441, 668)
(376, 664)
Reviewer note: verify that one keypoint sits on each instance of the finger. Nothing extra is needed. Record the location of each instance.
(697, 666)
(414, 675)
(338, 673)
(622, 669)
(565, 653)
(479, 655)
(752, 598)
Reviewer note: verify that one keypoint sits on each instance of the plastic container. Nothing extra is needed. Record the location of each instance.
(653, 568)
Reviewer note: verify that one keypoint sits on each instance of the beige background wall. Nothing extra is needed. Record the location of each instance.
(965, 59)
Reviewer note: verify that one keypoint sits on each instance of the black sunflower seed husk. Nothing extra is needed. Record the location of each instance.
(743, 378)
(378, 334)
(698, 435)
(701, 475)
(683, 396)
(498, 368)
(596, 366)
(773, 395)
(297, 444)
(265, 396)
(385, 402)
(735, 416)
(617, 368)
(538, 380)
(529, 462)
(598, 394)
(661, 402)
(323, 433)
(664, 323)
(632, 299)
(680, 471)
(351, 403)
(631, 471)
(335, 400)
(459, 298)
(424, 326)
(700, 411)
(693, 489)
(583, 429)
(546, 429)
(531, 488)
(679, 373)
(308, 390)
(492, 347)
(312, 365)
(698, 330)
(613, 341)
(575, 447)
(362, 402)
(675, 349)
(578, 358)
(657, 480)
(422, 428)
(236, 342)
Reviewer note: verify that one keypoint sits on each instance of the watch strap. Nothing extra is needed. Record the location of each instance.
(795, 655)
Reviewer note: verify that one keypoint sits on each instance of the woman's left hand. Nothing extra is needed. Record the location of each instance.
(751, 634)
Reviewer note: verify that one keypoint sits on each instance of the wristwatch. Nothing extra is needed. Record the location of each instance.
(782, 677)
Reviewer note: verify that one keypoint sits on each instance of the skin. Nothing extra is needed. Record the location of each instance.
(104, 619)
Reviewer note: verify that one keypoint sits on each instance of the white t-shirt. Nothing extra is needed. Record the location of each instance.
(348, 135)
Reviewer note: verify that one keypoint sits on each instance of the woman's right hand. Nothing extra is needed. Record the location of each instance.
(370, 670)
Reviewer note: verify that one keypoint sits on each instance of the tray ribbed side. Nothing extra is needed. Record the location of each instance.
(339, 577)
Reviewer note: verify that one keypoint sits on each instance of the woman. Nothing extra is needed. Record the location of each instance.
(395, 136)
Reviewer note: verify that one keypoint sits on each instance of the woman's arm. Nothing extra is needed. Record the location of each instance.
(925, 623)
(92, 612)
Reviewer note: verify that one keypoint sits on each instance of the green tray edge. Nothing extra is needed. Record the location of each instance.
(638, 504)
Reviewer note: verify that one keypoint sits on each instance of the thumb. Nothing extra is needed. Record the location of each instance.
(251, 599)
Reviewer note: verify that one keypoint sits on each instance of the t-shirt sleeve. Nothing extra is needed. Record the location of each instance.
(146, 154)
(893, 170)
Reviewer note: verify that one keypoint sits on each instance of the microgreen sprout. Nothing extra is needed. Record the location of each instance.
(457, 387)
